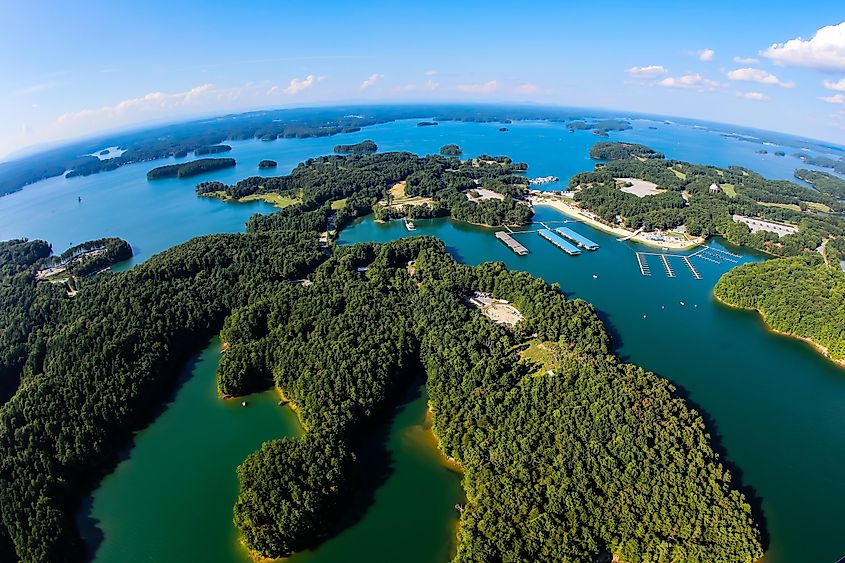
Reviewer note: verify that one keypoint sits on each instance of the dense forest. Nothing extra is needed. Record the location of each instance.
(829, 184)
(801, 296)
(363, 182)
(188, 169)
(838, 164)
(96, 367)
(92, 256)
(364, 147)
(591, 457)
(688, 200)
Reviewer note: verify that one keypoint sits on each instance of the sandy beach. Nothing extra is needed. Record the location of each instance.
(642, 238)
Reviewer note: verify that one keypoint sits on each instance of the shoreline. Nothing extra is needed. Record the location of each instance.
(576, 213)
(818, 347)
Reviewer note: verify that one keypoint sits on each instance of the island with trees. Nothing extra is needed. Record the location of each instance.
(575, 457)
(618, 151)
(364, 147)
(188, 169)
(426, 123)
(268, 164)
(451, 150)
(212, 149)
(394, 185)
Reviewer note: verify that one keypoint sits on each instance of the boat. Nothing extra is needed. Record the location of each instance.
(410, 225)
(243, 403)
(595, 277)
(682, 303)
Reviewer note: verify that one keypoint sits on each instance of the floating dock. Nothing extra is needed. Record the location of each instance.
(578, 239)
(644, 269)
(559, 242)
(666, 265)
(511, 243)
(692, 269)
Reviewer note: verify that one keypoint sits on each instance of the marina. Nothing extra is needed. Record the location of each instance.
(559, 242)
(578, 239)
(642, 262)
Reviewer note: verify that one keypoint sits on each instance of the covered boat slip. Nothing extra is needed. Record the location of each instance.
(559, 242)
(577, 238)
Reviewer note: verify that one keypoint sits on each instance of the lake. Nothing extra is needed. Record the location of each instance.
(773, 404)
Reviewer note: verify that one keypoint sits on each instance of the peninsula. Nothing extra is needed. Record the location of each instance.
(188, 169)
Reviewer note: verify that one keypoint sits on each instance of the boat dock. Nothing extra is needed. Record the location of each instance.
(666, 265)
(559, 242)
(716, 255)
(642, 262)
(692, 269)
(511, 243)
(644, 269)
(578, 239)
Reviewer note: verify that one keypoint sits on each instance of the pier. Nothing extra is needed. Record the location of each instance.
(511, 243)
(642, 262)
(715, 255)
(578, 239)
(692, 269)
(644, 269)
(666, 265)
(559, 242)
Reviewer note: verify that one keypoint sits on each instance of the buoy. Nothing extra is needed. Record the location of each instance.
(663, 306)
(643, 316)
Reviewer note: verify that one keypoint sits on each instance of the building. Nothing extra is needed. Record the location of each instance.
(714, 189)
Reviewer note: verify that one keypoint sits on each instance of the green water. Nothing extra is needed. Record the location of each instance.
(172, 498)
(773, 403)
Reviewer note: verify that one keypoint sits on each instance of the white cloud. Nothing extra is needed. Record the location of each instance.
(825, 51)
(526, 89)
(756, 96)
(430, 72)
(371, 80)
(835, 99)
(746, 60)
(759, 76)
(431, 84)
(838, 86)
(485, 88)
(296, 85)
(706, 55)
(151, 101)
(651, 71)
(691, 81)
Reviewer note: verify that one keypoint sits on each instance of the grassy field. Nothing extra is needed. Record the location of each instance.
(679, 174)
(790, 206)
(819, 207)
(274, 199)
(398, 197)
(729, 189)
(339, 204)
(541, 355)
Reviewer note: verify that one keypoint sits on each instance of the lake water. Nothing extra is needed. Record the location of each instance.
(774, 405)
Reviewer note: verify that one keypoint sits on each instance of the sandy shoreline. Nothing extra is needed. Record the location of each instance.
(642, 238)
(819, 348)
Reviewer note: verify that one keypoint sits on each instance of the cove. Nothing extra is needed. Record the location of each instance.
(171, 499)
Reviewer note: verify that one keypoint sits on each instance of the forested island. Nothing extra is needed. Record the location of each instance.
(212, 149)
(426, 123)
(364, 147)
(705, 200)
(575, 457)
(451, 150)
(431, 186)
(188, 169)
(829, 184)
(268, 164)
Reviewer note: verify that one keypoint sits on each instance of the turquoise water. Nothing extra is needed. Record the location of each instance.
(773, 403)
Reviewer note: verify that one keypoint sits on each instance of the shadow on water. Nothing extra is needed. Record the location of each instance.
(375, 462)
(737, 481)
(88, 527)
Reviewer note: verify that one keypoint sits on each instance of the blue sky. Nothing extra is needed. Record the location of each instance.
(71, 69)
